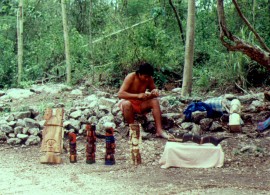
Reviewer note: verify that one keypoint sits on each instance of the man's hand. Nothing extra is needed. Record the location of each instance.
(148, 95)
(143, 96)
(154, 93)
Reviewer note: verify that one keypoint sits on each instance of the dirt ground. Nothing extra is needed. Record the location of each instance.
(22, 173)
(244, 171)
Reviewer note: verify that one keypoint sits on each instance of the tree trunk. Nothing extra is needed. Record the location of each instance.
(20, 40)
(189, 50)
(66, 39)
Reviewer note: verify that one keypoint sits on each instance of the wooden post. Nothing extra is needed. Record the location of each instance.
(234, 118)
(90, 144)
(135, 140)
(72, 147)
(52, 136)
(110, 147)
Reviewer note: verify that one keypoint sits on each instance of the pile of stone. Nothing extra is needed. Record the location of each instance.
(102, 109)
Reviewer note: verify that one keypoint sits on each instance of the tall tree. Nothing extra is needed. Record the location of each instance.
(66, 39)
(189, 50)
(20, 40)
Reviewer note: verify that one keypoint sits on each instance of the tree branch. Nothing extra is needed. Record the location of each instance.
(250, 26)
(178, 21)
(254, 52)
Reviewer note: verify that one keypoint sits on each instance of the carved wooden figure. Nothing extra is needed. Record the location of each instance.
(52, 136)
(90, 144)
(110, 147)
(72, 147)
(135, 140)
(235, 118)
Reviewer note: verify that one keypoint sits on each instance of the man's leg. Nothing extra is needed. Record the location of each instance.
(128, 111)
(154, 105)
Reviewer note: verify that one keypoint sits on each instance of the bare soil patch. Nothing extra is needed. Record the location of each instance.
(21, 173)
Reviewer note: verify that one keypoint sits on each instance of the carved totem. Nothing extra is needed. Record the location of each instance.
(135, 139)
(72, 147)
(235, 118)
(52, 136)
(90, 144)
(110, 146)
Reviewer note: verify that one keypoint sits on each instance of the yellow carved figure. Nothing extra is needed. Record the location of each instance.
(135, 141)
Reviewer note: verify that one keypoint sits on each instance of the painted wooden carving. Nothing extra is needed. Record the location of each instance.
(135, 140)
(52, 136)
(110, 147)
(90, 144)
(235, 118)
(72, 148)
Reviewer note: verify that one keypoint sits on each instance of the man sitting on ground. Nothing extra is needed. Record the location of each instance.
(136, 99)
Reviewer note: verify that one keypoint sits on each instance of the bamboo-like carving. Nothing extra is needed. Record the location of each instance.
(135, 139)
(110, 147)
(90, 144)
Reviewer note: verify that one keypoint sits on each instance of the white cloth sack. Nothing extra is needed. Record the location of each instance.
(192, 155)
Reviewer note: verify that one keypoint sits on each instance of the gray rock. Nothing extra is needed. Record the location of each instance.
(22, 115)
(196, 129)
(73, 124)
(11, 135)
(20, 123)
(14, 141)
(34, 131)
(3, 136)
(31, 123)
(93, 120)
(187, 125)
(18, 130)
(197, 116)
(205, 124)
(6, 128)
(18, 93)
(32, 140)
(22, 136)
(12, 124)
(216, 126)
(10, 118)
(102, 121)
(76, 114)
(107, 101)
(25, 130)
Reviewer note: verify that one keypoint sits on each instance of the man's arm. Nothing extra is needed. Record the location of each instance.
(153, 90)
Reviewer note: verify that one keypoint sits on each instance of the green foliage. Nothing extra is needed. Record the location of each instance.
(25, 84)
(8, 58)
(125, 36)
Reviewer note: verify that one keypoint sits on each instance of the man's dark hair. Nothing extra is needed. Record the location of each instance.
(145, 69)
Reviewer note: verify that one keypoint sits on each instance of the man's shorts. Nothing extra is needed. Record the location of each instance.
(136, 105)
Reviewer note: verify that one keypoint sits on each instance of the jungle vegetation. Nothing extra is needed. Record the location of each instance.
(108, 37)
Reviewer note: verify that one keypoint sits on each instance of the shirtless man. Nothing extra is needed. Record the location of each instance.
(136, 99)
